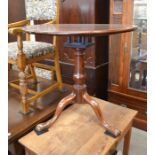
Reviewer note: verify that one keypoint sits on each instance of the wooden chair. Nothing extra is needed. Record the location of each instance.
(29, 53)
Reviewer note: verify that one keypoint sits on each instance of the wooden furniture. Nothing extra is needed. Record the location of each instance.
(29, 53)
(96, 57)
(76, 132)
(19, 125)
(79, 39)
(121, 89)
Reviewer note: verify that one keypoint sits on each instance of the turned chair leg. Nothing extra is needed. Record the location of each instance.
(52, 75)
(112, 131)
(21, 63)
(62, 104)
(33, 73)
(23, 92)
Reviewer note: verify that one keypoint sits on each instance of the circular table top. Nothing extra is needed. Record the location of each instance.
(78, 29)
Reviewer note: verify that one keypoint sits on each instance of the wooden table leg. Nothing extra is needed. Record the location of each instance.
(127, 142)
(95, 106)
(62, 104)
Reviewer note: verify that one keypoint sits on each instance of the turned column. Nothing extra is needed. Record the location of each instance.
(21, 63)
(79, 76)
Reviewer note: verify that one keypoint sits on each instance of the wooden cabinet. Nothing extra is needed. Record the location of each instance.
(127, 67)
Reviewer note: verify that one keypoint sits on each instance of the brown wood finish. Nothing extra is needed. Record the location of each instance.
(96, 76)
(86, 12)
(96, 57)
(13, 14)
(15, 118)
(79, 29)
(127, 143)
(79, 94)
(119, 66)
(19, 125)
(16, 12)
(76, 132)
(132, 102)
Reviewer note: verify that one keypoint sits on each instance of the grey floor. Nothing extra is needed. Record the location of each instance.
(138, 144)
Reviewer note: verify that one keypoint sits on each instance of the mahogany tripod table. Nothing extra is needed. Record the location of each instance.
(79, 38)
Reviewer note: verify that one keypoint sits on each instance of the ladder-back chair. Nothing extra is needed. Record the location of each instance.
(28, 53)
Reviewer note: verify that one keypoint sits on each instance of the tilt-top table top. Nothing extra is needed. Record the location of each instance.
(78, 29)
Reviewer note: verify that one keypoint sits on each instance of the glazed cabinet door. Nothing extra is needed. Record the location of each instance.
(134, 50)
(137, 79)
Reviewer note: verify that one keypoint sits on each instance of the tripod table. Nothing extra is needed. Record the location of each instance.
(79, 38)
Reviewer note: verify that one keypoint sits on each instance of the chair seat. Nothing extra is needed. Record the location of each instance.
(30, 48)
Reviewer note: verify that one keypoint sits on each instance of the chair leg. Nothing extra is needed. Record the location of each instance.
(23, 91)
(33, 73)
(57, 69)
(52, 75)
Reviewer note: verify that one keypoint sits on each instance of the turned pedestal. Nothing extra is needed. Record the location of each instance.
(79, 94)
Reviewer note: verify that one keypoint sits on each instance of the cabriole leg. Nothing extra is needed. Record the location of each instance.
(109, 129)
(62, 104)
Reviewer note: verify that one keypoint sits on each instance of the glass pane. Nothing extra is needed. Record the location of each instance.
(118, 6)
(138, 65)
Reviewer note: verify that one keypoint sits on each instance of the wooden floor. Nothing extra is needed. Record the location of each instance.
(42, 109)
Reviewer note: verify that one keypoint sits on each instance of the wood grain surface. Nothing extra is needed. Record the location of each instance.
(78, 132)
(78, 29)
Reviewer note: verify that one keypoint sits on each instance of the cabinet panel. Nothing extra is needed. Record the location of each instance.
(115, 60)
(115, 45)
(76, 12)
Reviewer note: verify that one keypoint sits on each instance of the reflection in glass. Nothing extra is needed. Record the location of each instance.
(138, 65)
